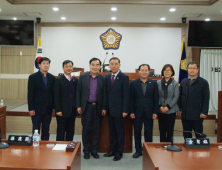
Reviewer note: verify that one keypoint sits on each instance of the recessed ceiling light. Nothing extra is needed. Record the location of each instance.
(14, 18)
(207, 19)
(162, 19)
(113, 9)
(63, 18)
(113, 18)
(172, 9)
(55, 9)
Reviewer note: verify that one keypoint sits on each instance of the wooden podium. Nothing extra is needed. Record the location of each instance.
(219, 118)
(104, 144)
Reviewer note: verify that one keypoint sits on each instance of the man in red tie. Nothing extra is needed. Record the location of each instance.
(117, 107)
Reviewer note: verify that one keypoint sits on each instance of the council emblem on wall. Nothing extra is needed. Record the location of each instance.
(110, 39)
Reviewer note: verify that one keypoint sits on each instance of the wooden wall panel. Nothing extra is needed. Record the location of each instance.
(23, 88)
(23, 124)
(14, 88)
(26, 64)
(196, 54)
(209, 127)
(10, 64)
(10, 50)
(9, 88)
(26, 50)
(13, 63)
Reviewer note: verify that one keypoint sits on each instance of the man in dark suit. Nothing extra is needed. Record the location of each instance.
(65, 99)
(91, 104)
(118, 94)
(144, 106)
(40, 98)
(193, 101)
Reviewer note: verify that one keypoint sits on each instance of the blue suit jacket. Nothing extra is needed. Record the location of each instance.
(138, 100)
(118, 94)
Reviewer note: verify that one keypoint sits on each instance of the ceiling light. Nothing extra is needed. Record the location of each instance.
(63, 18)
(113, 9)
(113, 18)
(207, 19)
(172, 9)
(0, 10)
(55, 9)
(162, 19)
(14, 18)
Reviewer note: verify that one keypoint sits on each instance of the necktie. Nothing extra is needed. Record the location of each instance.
(191, 82)
(112, 80)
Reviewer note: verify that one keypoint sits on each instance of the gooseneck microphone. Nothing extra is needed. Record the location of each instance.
(103, 66)
(202, 135)
(173, 147)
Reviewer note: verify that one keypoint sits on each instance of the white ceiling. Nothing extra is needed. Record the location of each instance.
(102, 13)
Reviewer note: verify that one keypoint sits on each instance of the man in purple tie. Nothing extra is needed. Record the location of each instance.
(91, 104)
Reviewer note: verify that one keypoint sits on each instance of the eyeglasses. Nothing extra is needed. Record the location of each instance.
(167, 70)
(192, 68)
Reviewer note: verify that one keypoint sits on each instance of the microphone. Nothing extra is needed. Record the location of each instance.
(103, 66)
(2, 144)
(173, 147)
(202, 135)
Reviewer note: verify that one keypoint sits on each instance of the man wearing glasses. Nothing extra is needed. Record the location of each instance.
(193, 101)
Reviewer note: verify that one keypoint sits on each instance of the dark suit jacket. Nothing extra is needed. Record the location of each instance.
(138, 100)
(83, 92)
(118, 94)
(63, 96)
(39, 98)
(194, 100)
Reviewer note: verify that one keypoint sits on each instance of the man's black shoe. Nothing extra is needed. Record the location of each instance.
(86, 155)
(111, 153)
(117, 157)
(95, 155)
(137, 154)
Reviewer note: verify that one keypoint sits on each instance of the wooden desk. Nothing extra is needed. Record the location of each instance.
(104, 143)
(3, 121)
(41, 157)
(157, 158)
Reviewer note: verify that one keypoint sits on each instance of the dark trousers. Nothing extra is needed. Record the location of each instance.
(116, 134)
(91, 122)
(44, 120)
(166, 126)
(189, 125)
(148, 130)
(66, 127)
